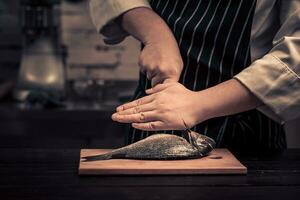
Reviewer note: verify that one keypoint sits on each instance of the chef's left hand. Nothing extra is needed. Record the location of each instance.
(165, 108)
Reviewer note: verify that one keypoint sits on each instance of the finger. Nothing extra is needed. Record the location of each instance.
(150, 126)
(162, 79)
(135, 118)
(138, 109)
(146, 70)
(157, 88)
(170, 80)
(143, 71)
(156, 80)
(150, 75)
(138, 102)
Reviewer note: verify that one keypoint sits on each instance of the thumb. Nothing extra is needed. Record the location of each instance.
(157, 88)
(159, 79)
(170, 80)
(160, 87)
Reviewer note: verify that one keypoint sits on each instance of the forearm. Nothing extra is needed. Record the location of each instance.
(227, 98)
(160, 59)
(146, 26)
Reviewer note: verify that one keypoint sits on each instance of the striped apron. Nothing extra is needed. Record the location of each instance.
(214, 40)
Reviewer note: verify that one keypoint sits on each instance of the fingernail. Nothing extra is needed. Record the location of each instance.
(120, 108)
(148, 91)
(114, 116)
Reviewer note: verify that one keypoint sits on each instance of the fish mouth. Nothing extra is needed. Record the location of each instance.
(105, 156)
(87, 159)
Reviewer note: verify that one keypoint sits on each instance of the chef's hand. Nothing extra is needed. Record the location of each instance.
(160, 58)
(169, 104)
(165, 108)
(160, 61)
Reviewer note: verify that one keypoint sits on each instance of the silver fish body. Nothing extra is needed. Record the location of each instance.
(161, 147)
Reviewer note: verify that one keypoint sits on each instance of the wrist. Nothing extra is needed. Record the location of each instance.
(204, 108)
(160, 37)
(227, 98)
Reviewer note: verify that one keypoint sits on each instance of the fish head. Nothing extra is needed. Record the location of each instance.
(203, 140)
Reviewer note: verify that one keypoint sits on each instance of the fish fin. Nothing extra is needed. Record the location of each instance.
(105, 156)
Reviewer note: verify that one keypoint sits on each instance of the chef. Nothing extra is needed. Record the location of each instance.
(229, 69)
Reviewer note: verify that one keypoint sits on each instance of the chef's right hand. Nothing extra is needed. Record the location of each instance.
(161, 61)
(160, 58)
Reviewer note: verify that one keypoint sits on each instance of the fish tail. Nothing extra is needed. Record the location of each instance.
(105, 156)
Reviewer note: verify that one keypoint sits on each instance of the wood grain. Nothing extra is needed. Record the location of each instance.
(220, 161)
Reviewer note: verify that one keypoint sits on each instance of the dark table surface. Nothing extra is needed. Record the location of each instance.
(53, 174)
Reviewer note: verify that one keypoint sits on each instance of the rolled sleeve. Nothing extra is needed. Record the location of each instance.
(104, 13)
(274, 78)
(276, 85)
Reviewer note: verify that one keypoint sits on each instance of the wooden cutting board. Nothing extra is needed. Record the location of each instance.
(219, 161)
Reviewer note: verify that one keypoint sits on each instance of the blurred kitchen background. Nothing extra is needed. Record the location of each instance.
(59, 83)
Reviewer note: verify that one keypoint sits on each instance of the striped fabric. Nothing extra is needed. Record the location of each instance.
(213, 36)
